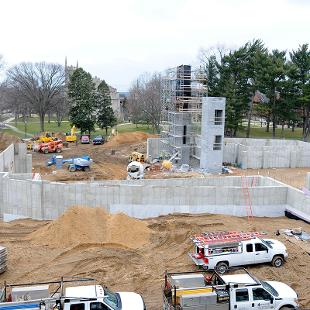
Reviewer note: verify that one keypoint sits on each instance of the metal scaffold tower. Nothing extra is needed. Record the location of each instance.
(182, 93)
(183, 90)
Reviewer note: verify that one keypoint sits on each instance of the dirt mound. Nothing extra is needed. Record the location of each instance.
(136, 269)
(82, 225)
(129, 138)
(6, 140)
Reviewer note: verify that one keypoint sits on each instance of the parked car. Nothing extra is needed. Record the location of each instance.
(98, 140)
(85, 139)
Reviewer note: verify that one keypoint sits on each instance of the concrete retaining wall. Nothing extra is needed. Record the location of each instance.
(251, 153)
(7, 159)
(145, 198)
(299, 203)
(15, 159)
(266, 153)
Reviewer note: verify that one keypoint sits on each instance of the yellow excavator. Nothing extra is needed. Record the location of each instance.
(71, 137)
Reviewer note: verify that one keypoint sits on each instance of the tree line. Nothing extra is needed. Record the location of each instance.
(273, 85)
(45, 89)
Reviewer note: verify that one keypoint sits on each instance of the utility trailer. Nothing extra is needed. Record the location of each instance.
(223, 249)
(56, 295)
(205, 290)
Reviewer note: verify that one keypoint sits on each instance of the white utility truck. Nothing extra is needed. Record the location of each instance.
(221, 249)
(55, 296)
(203, 290)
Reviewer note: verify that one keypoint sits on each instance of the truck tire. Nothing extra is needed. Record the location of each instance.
(277, 261)
(86, 168)
(287, 308)
(71, 169)
(221, 267)
(45, 151)
(58, 150)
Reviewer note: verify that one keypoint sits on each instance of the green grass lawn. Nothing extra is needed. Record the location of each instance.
(33, 128)
(258, 132)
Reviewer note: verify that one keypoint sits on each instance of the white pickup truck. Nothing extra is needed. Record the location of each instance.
(221, 252)
(37, 296)
(205, 291)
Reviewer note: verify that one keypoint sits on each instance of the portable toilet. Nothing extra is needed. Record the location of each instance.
(59, 161)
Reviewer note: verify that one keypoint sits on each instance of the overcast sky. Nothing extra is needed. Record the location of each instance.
(118, 40)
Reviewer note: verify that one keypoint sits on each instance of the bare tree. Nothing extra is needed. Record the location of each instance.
(144, 100)
(37, 85)
(60, 107)
(135, 105)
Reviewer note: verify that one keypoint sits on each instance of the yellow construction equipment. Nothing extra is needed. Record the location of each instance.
(45, 138)
(71, 137)
(166, 164)
(136, 156)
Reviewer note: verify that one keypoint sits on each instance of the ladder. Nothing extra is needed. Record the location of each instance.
(225, 237)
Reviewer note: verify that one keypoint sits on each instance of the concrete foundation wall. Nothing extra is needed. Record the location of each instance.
(299, 203)
(7, 159)
(22, 160)
(266, 153)
(15, 159)
(145, 198)
(22, 196)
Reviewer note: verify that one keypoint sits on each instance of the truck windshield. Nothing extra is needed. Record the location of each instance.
(112, 299)
(269, 288)
(268, 244)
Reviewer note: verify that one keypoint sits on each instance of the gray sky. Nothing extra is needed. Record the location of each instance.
(118, 40)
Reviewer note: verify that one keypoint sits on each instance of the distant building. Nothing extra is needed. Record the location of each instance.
(116, 104)
(123, 106)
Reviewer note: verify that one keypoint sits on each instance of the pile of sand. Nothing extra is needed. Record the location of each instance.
(6, 140)
(129, 138)
(83, 225)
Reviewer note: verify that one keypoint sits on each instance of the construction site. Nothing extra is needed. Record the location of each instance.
(126, 232)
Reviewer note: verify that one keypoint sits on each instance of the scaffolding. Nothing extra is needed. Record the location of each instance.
(182, 93)
(183, 90)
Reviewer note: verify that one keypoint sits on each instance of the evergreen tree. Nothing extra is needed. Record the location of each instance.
(212, 74)
(105, 115)
(300, 74)
(82, 100)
